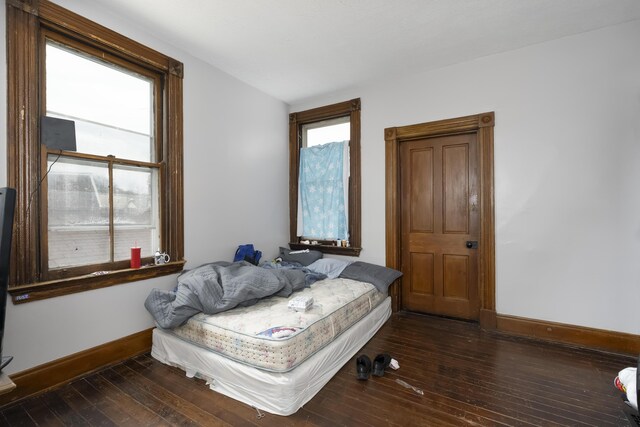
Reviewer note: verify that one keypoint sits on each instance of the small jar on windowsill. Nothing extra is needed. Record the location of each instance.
(342, 243)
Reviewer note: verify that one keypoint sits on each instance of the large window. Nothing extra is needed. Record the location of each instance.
(80, 210)
(324, 149)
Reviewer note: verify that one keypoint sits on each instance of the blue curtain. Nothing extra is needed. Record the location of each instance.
(321, 188)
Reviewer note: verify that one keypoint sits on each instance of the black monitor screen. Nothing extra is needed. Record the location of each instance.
(7, 206)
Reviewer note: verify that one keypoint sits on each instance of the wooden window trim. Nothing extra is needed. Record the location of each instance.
(349, 108)
(27, 20)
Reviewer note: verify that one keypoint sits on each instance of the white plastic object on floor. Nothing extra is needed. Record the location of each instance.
(407, 385)
(394, 364)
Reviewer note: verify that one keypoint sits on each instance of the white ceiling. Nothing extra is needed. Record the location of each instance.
(296, 49)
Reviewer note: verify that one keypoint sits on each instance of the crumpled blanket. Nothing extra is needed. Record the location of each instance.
(220, 286)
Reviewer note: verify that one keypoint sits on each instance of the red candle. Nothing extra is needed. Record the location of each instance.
(135, 257)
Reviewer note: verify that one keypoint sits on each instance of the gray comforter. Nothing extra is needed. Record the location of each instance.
(221, 286)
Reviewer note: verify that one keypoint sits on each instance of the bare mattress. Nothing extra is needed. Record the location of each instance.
(272, 337)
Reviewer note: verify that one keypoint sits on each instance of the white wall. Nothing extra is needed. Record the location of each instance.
(567, 146)
(228, 201)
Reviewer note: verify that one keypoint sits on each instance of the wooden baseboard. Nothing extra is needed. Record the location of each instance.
(488, 319)
(617, 342)
(63, 370)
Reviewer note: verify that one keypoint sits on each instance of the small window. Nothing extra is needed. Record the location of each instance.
(325, 178)
(326, 131)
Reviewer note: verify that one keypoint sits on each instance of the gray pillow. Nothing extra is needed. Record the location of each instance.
(379, 276)
(304, 258)
(331, 267)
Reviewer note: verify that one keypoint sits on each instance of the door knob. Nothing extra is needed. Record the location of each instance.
(472, 244)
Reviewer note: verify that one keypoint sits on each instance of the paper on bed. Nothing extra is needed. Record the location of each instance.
(301, 303)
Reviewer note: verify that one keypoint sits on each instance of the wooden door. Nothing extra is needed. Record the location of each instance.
(440, 225)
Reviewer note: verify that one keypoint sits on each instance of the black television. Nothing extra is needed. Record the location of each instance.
(7, 207)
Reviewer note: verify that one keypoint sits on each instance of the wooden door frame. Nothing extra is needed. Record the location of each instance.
(482, 125)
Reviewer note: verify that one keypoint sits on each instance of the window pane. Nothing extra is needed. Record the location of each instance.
(105, 100)
(94, 138)
(320, 216)
(78, 212)
(327, 131)
(136, 213)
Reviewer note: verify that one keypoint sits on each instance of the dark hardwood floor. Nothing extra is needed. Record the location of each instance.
(469, 377)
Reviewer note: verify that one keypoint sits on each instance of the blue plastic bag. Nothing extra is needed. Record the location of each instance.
(247, 253)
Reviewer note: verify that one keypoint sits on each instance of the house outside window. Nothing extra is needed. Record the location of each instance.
(325, 178)
(79, 212)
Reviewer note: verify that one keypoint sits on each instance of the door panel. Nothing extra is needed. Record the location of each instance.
(439, 214)
(456, 276)
(422, 268)
(455, 168)
(422, 195)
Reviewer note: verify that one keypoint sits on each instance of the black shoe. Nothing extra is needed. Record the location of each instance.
(380, 363)
(363, 367)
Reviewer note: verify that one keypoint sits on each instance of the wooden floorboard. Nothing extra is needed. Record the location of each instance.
(468, 376)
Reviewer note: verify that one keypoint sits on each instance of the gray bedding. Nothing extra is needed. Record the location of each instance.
(221, 286)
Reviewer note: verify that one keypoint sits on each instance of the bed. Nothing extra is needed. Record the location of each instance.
(274, 358)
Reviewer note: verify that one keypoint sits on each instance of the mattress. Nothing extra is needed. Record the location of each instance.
(281, 393)
(272, 337)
